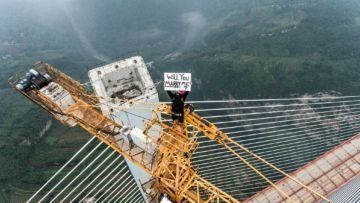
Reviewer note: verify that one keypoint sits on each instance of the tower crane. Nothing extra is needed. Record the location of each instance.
(168, 146)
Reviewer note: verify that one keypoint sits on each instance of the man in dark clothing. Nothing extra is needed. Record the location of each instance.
(177, 106)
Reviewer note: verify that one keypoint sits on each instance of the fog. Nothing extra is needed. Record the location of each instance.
(234, 49)
(122, 25)
(196, 23)
(85, 42)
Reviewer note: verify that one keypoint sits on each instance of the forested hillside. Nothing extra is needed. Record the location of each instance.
(279, 50)
(235, 49)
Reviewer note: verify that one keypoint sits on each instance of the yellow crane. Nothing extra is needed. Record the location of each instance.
(170, 166)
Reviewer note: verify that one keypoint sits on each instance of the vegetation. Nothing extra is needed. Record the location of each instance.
(266, 50)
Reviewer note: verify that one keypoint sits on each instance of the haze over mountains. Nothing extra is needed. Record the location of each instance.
(235, 49)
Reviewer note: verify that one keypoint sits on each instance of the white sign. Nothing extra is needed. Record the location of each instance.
(177, 81)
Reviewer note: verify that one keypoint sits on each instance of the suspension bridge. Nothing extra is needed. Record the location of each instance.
(278, 150)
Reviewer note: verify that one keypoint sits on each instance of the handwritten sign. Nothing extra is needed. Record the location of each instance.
(177, 81)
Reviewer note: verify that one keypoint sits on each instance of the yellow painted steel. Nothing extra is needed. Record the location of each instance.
(212, 132)
(170, 167)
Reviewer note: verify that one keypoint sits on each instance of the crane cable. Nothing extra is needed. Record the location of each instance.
(266, 163)
(224, 140)
(272, 106)
(277, 169)
(281, 140)
(258, 172)
(272, 166)
(71, 171)
(261, 100)
(95, 179)
(67, 163)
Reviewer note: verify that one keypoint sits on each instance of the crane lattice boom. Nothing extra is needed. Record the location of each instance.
(169, 165)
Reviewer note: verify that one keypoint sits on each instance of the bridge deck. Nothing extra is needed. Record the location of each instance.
(325, 174)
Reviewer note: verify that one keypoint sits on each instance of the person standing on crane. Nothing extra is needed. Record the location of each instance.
(177, 107)
(177, 86)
